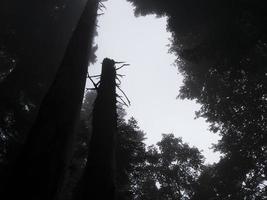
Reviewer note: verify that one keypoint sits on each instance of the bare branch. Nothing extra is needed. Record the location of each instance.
(101, 5)
(120, 75)
(119, 62)
(124, 103)
(95, 85)
(124, 95)
(118, 80)
(122, 66)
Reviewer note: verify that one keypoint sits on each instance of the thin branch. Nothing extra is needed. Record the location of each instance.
(122, 66)
(118, 84)
(123, 101)
(101, 5)
(124, 95)
(120, 75)
(119, 62)
(118, 80)
(95, 85)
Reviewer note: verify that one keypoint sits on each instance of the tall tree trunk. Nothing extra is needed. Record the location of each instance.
(38, 170)
(99, 178)
(34, 36)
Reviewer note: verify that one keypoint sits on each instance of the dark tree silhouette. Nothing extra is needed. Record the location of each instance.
(98, 181)
(37, 168)
(160, 172)
(130, 151)
(81, 142)
(34, 38)
(130, 155)
(170, 171)
(221, 51)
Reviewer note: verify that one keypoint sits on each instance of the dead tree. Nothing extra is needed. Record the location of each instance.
(98, 181)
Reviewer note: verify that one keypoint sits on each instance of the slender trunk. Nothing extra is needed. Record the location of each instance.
(99, 178)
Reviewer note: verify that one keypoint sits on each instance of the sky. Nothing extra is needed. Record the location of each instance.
(152, 80)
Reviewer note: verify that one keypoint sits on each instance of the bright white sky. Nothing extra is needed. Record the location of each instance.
(152, 81)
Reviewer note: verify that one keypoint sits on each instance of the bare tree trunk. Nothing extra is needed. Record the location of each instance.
(99, 178)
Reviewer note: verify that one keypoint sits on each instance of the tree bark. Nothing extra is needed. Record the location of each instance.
(35, 35)
(38, 169)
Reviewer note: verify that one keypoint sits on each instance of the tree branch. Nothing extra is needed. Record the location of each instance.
(124, 103)
(122, 66)
(95, 85)
(120, 75)
(124, 95)
(118, 80)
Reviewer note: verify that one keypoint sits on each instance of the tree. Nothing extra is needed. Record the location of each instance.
(30, 60)
(98, 180)
(130, 154)
(170, 171)
(130, 151)
(40, 112)
(144, 177)
(221, 51)
(205, 188)
(179, 167)
(81, 143)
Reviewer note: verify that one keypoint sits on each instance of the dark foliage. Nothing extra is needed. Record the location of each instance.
(170, 171)
(221, 51)
(130, 155)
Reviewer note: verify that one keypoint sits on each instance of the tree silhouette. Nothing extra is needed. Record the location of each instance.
(37, 105)
(221, 51)
(130, 154)
(130, 150)
(81, 143)
(99, 178)
(170, 171)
